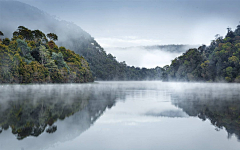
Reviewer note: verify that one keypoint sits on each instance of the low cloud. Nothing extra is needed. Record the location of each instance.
(126, 41)
(140, 57)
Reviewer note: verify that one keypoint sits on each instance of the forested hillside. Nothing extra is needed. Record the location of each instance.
(218, 62)
(33, 57)
(106, 67)
(103, 66)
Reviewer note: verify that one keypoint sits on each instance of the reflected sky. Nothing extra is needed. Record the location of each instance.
(130, 115)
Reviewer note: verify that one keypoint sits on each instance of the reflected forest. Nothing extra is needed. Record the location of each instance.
(29, 115)
(35, 108)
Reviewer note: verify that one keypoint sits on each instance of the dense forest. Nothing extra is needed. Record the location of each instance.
(218, 62)
(33, 57)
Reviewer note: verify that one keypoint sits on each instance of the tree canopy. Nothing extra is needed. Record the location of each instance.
(29, 58)
(218, 62)
(52, 36)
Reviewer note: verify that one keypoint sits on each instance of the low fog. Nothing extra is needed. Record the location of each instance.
(148, 57)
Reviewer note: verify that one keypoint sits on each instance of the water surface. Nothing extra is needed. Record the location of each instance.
(120, 116)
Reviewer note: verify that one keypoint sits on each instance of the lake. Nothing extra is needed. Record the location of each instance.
(144, 115)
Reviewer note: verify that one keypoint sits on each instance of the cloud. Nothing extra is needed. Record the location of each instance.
(126, 41)
(140, 57)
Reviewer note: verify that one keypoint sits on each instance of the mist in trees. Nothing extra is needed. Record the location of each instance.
(218, 62)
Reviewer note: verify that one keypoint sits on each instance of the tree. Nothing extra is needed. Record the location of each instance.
(60, 61)
(23, 46)
(44, 55)
(6, 41)
(230, 33)
(237, 31)
(26, 51)
(1, 34)
(52, 36)
(27, 59)
(38, 34)
(25, 32)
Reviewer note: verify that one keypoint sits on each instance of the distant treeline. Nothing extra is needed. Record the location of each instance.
(171, 48)
(33, 57)
(218, 62)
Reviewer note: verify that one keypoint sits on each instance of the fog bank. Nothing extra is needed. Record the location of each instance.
(149, 56)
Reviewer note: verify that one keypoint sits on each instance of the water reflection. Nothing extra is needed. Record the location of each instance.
(52, 114)
(219, 103)
(168, 113)
(30, 110)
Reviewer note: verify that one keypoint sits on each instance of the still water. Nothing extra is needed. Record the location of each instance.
(120, 116)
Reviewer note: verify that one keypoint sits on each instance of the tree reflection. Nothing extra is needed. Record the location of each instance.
(33, 110)
(222, 108)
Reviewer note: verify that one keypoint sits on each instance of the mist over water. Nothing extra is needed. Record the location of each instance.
(120, 115)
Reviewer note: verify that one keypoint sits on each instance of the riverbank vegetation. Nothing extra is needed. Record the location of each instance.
(218, 62)
(33, 57)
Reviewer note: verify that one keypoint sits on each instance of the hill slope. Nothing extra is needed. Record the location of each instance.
(104, 66)
(218, 62)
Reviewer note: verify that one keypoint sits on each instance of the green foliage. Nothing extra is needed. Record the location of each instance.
(27, 58)
(44, 55)
(185, 67)
(233, 59)
(218, 62)
(52, 36)
(6, 41)
(105, 66)
(58, 57)
(6, 64)
(25, 51)
(25, 32)
(38, 34)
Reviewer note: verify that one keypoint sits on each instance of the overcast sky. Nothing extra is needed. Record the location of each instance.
(123, 23)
